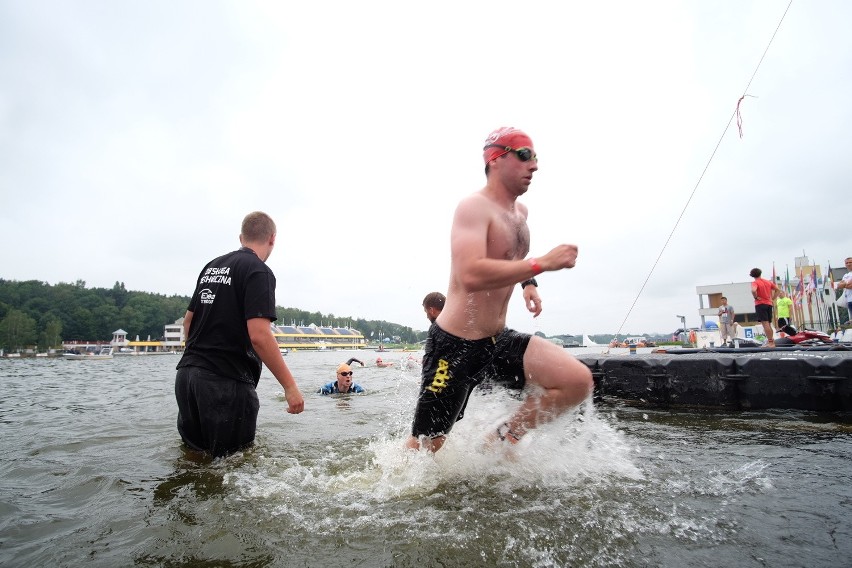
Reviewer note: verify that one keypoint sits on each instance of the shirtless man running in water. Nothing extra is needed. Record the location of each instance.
(469, 341)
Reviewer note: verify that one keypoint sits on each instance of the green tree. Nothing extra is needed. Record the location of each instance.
(17, 330)
(52, 335)
(119, 294)
(71, 311)
(78, 326)
(104, 317)
(130, 320)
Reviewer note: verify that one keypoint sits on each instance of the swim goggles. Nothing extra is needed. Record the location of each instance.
(523, 154)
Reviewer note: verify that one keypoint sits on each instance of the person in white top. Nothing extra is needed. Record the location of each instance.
(846, 285)
(726, 321)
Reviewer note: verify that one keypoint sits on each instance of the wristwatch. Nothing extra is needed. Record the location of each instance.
(526, 283)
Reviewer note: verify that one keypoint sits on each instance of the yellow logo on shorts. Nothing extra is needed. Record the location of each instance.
(442, 377)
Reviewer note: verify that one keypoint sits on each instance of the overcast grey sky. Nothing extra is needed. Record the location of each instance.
(134, 136)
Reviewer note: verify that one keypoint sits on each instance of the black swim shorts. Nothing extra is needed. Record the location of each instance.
(453, 366)
(216, 414)
(763, 312)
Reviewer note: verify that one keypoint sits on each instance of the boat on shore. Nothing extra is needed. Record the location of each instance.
(89, 354)
(132, 353)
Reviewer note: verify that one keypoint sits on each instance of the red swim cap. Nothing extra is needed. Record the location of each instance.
(504, 136)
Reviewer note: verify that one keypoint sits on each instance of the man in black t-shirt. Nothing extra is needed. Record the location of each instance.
(227, 326)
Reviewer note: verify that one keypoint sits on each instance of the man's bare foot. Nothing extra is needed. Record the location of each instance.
(504, 442)
(502, 435)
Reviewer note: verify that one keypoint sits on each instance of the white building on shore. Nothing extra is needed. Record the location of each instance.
(815, 301)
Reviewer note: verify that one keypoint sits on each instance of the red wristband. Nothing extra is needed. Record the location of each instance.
(537, 269)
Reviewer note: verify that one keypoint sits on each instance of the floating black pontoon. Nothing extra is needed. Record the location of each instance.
(816, 378)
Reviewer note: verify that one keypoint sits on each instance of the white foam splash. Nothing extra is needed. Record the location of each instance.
(580, 445)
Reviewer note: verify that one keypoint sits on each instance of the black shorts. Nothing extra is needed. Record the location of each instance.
(763, 312)
(216, 414)
(453, 366)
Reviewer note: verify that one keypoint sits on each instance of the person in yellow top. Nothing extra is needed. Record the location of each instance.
(784, 307)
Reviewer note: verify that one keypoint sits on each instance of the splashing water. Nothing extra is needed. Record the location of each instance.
(602, 485)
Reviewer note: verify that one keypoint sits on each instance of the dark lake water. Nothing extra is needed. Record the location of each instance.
(93, 474)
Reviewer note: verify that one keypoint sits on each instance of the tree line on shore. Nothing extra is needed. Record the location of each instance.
(37, 315)
(41, 316)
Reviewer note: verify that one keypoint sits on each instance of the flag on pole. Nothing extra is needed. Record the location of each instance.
(800, 289)
(787, 281)
(828, 288)
(774, 280)
(831, 304)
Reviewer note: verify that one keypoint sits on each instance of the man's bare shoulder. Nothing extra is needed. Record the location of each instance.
(477, 197)
(475, 203)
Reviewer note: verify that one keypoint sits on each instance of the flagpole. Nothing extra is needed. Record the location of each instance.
(774, 309)
(816, 296)
(820, 308)
(829, 314)
(789, 290)
(806, 298)
(800, 298)
(833, 297)
(811, 308)
(825, 308)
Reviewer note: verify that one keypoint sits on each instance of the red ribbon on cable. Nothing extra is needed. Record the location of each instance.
(740, 116)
